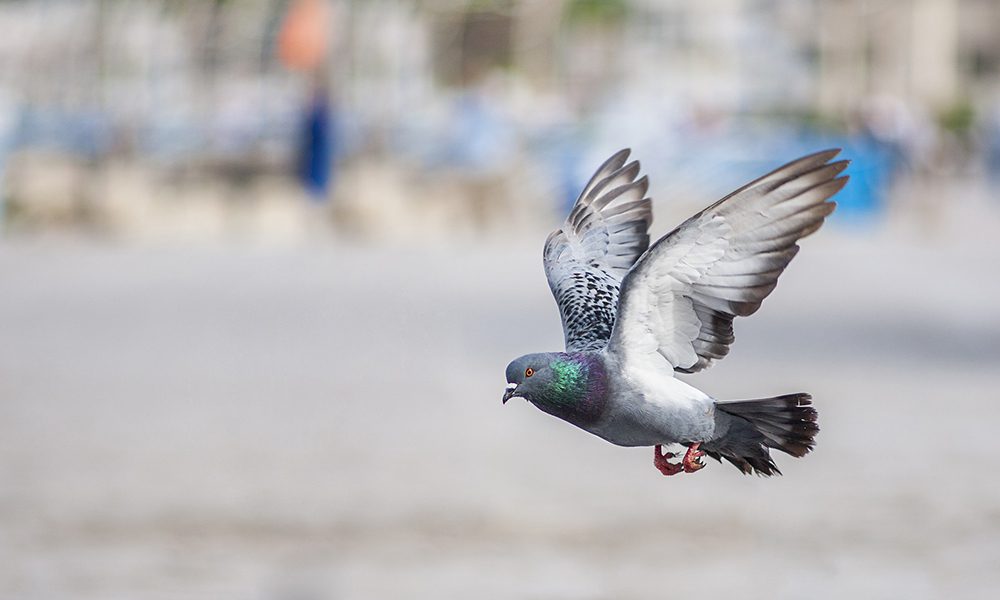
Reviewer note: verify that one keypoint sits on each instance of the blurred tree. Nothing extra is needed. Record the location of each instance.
(958, 118)
(596, 11)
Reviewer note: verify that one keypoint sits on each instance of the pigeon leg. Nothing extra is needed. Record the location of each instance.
(692, 459)
(665, 466)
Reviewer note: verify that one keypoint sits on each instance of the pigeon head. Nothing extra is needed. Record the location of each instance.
(570, 386)
(531, 376)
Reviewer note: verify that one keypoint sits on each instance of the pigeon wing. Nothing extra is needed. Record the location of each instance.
(681, 297)
(586, 259)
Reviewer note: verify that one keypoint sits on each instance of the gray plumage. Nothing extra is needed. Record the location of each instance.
(722, 262)
(587, 258)
(634, 314)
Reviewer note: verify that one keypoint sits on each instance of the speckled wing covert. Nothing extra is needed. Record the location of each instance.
(681, 297)
(587, 258)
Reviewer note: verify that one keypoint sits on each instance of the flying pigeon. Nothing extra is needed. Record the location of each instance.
(634, 314)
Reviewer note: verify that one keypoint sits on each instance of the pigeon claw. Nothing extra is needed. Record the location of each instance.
(665, 466)
(692, 459)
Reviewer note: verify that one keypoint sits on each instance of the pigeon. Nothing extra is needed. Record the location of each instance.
(635, 314)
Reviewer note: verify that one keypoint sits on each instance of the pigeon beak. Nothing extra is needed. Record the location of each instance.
(507, 393)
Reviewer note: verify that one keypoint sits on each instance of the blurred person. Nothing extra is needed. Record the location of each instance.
(303, 43)
(479, 145)
(992, 131)
(317, 144)
(7, 123)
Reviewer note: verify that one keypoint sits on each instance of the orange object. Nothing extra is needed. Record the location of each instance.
(304, 35)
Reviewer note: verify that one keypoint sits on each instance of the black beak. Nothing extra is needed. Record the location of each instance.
(509, 392)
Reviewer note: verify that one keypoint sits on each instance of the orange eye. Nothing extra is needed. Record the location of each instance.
(529, 372)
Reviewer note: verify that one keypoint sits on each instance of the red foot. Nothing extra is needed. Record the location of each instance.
(692, 459)
(665, 466)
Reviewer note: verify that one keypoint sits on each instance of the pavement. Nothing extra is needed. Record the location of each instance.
(323, 421)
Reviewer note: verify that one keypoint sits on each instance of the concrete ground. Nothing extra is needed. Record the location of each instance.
(324, 421)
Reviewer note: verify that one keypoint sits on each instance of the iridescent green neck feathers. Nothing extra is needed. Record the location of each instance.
(569, 386)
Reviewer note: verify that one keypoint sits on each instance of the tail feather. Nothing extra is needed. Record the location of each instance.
(786, 423)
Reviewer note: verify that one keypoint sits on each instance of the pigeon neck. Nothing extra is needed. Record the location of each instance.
(578, 390)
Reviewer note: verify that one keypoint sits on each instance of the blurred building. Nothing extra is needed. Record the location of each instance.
(457, 97)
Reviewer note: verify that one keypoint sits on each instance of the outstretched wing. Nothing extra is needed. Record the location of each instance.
(587, 258)
(681, 297)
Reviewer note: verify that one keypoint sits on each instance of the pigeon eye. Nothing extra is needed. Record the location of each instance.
(529, 372)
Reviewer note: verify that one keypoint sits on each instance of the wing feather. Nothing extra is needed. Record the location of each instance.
(680, 298)
(586, 259)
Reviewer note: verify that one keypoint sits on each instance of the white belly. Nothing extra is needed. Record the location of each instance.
(651, 407)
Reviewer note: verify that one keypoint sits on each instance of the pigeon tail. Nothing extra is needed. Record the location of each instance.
(753, 427)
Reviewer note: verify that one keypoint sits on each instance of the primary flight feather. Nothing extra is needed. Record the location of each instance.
(633, 314)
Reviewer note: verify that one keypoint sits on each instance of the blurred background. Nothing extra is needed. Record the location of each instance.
(263, 262)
